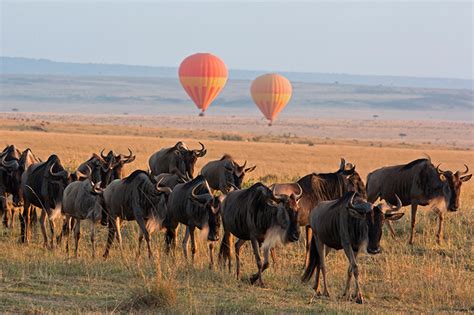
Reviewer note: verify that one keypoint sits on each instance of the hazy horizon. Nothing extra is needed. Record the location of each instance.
(423, 39)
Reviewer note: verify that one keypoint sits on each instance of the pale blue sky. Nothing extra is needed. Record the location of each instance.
(429, 39)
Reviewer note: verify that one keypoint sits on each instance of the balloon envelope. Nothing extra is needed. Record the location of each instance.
(203, 76)
(271, 92)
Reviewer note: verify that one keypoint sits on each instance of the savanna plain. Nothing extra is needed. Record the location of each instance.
(426, 277)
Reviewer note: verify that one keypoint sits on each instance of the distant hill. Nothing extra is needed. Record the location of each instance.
(14, 65)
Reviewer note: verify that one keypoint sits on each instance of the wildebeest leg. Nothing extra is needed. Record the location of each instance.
(211, 255)
(193, 243)
(65, 232)
(390, 228)
(439, 235)
(266, 252)
(309, 234)
(4, 208)
(322, 257)
(51, 227)
(77, 236)
(118, 233)
(110, 237)
(43, 227)
(185, 243)
(255, 248)
(93, 238)
(354, 269)
(348, 283)
(25, 222)
(414, 207)
(238, 245)
(145, 233)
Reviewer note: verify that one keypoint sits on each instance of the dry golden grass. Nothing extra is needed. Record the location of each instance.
(425, 277)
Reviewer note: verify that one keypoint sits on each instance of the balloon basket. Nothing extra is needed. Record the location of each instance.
(201, 114)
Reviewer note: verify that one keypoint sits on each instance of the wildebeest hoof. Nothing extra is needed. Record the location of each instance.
(359, 300)
(254, 278)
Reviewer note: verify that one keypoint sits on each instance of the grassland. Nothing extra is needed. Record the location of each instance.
(425, 277)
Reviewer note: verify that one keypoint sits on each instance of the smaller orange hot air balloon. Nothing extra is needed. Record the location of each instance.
(271, 92)
(203, 76)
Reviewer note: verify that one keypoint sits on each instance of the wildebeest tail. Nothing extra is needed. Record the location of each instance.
(313, 261)
(224, 250)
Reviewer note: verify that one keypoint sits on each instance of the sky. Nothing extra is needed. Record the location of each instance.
(406, 38)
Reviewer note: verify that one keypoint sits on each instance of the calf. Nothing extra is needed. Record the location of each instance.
(346, 223)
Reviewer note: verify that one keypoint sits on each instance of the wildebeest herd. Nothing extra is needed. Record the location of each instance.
(337, 209)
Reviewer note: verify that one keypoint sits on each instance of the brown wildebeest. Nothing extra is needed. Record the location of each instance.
(138, 198)
(418, 183)
(346, 223)
(193, 205)
(225, 174)
(81, 200)
(97, 167)
(321, 187)
(177, 160)
(258, 215)
(43, 185)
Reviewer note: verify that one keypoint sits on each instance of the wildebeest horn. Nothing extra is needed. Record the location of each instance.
(96, 188)
(202, 151)
(351, 203)
(464, 172)
(84, 175)
(130, 158)
(395, 208)
(58, 174)
(162, 189)
(99, 158)
(342, 165)
(439, 170)
(102, 154)
(298, 196)
(243, 165)
(10, 165)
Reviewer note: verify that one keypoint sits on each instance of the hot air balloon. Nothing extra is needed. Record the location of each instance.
(271, 92)
(202, 76)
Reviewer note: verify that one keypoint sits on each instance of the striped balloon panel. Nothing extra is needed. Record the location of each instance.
(203, 90)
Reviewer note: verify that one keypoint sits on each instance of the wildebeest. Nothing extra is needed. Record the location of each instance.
(10, 178)
(136, 197)
(419, 183)
(115, 164)
(81, 200)
(258, 215)
(99, 169)
(346, 223)
(225, 174)
(177, 160)
(321, 187)
(43, 185)
(193, 205)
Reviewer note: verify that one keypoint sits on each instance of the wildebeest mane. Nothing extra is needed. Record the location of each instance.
(413, 163)
(226, 156)
(134, 175)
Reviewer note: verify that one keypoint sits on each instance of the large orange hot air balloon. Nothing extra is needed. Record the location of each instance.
(271, 92)
(202, 76)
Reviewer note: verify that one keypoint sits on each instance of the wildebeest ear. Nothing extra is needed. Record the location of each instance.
(442, 177)
(250, 169)
(466, 178)
(355, 214)
(394, 216)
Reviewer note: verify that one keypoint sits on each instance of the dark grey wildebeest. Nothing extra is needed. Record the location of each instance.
(43, 185)
(10, 179)
(418, 183)
(321, 187)
(177, 160)
(135, 198)
(169, 180)
(347, 223)
(225, 174)
(97, 168)
(258, 215)
(81, 200)
(193, 205)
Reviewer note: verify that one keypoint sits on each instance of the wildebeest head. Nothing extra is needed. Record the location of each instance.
(380, 213)
(113, 166)
(239, 171)
(56, 172)
(189, 158)
(202, 198)
(452, 183)
(355, 181)
(9, 164)
(287, 215)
